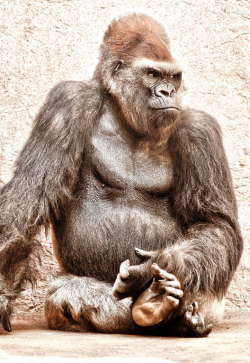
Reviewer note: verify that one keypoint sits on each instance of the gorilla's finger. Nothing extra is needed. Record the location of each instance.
(207, 330)
(157, 271)
(124, 273)
(162, 285)
(174, 292)
(198, 323)
(173, 283)
(167, 276)
(143, 255)
(195, 307)
(189, 313)
(116, 293)
(5, 318)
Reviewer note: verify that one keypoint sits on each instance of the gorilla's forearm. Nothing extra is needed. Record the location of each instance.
(205, 259)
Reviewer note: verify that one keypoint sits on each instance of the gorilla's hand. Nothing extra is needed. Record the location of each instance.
(5, 311)
(132, 280)
(129, 280)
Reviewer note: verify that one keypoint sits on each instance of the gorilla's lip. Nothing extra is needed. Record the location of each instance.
(166, 108)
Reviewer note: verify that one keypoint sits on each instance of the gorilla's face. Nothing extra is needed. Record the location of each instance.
(146, 91)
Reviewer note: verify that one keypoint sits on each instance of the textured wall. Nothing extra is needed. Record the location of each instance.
(46, 41)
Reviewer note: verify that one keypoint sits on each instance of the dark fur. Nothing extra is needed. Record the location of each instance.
(200, 242)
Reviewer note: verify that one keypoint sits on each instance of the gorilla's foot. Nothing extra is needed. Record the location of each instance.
(192, 323)
(77, 303)
(159, 301)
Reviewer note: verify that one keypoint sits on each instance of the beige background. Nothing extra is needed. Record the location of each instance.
(43, 42)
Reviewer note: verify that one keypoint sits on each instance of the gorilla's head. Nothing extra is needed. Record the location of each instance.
(139, 73)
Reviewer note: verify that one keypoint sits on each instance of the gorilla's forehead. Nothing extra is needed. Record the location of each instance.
(154, 48)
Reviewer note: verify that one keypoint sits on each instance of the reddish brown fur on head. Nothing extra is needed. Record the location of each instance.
(137, 36)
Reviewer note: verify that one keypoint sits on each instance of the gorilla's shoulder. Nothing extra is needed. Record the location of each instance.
(77, 92)
(199, 125)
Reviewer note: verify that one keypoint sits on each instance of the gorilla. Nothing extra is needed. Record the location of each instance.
(137, 192)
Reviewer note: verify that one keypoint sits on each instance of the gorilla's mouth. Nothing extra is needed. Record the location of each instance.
(166, 108)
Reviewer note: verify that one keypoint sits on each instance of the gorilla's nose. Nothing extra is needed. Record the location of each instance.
(164, 90)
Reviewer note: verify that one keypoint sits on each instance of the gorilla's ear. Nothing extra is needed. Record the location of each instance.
(118, 65)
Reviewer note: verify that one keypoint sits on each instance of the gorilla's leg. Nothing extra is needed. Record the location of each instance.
(86, 304)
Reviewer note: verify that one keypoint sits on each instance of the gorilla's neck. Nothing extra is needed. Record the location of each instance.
(157, 142)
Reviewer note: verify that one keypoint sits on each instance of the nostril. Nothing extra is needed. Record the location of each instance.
(162, 92)
(165, 93)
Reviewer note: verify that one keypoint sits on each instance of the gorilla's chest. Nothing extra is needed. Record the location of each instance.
(122, 202)
(118, 163)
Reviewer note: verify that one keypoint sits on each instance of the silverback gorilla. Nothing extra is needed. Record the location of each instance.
(132, 184)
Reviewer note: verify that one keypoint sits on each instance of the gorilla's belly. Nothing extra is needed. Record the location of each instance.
(95, 243)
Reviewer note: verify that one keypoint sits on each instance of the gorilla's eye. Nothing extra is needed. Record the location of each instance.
(175, 76)
(152, 73)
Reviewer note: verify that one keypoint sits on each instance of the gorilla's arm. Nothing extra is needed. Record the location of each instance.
(207, 251)
(46, 173)
(206, 256)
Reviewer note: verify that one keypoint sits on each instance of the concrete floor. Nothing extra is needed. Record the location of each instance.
(228, 342)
